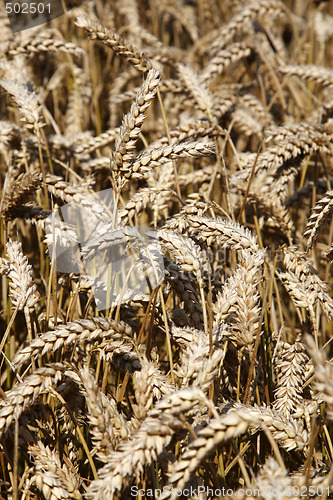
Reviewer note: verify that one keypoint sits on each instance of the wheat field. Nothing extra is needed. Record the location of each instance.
(211, 123)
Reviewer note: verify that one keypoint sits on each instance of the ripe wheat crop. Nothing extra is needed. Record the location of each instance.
(211, 122)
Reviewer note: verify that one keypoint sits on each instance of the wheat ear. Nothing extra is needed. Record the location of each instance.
(318, 74)
(323, 372)
(53, 479)
(18, 194)
(106, 424)
(27, 101)
(239, 300)
(146, 443)
(85, 330)
(132, 122)
(321, 213)
(219, 430)
(117, 43)
(145, 161)
(290, 377)
(22, 288)
(226, 233)
(26, 392)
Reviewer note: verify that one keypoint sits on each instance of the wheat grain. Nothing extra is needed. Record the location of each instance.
(181, 283)
(218, 431)
(98, 142)
(196, 364)
(149, 383)
(197, 88)
(77, 118)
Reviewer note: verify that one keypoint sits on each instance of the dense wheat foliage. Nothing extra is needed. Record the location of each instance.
(212, 123)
